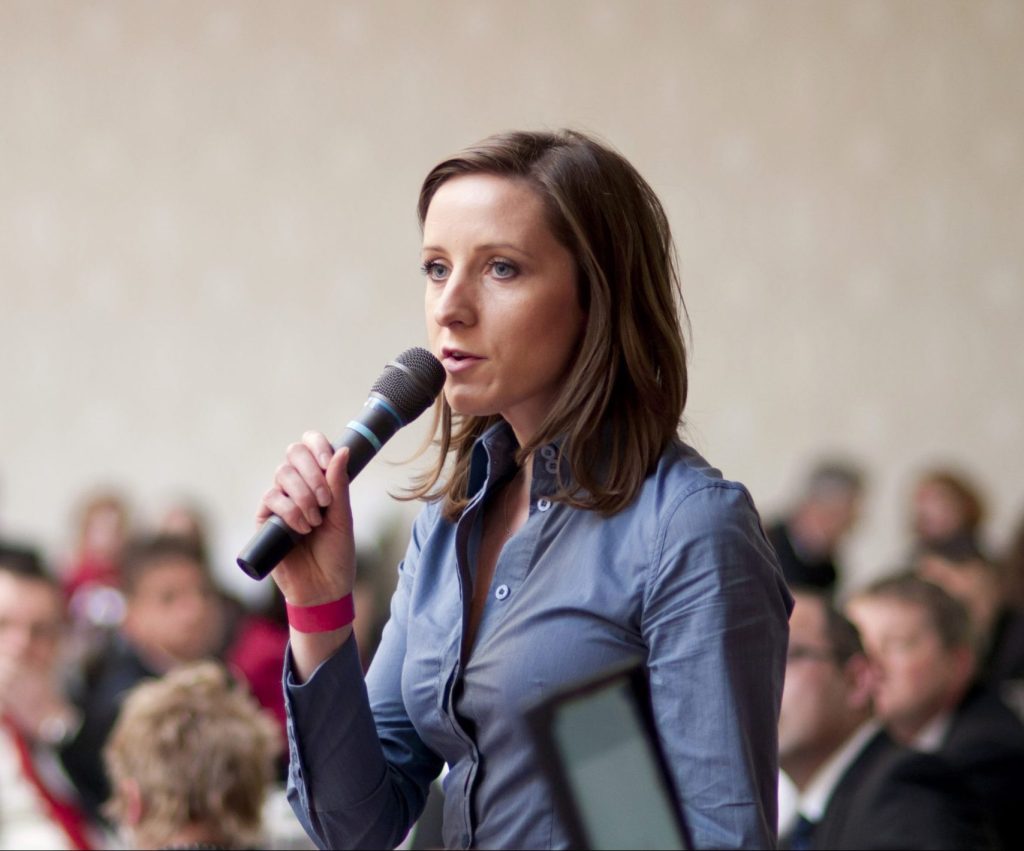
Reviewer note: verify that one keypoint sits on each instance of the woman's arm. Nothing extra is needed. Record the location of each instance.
(348, 787)
(716, 624)
(358, 777)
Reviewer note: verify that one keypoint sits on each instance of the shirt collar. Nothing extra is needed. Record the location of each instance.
(933, 734)
(813, 801)
(494, 458)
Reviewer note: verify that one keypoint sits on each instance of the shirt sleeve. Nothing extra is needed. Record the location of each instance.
(358, 777)
(715, 621)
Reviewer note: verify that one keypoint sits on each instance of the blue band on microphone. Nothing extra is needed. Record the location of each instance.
(365, 432)
(377, 402)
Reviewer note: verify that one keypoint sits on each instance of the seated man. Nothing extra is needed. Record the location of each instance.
(38, 804)
(857, 788)
(928, 697)
(172, 616)
(190, 761)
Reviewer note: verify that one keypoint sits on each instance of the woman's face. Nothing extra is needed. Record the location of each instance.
(502, 309)
(938, 511)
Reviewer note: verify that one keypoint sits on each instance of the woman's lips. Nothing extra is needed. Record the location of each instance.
(455, 360)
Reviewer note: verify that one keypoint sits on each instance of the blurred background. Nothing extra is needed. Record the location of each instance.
(208, 241)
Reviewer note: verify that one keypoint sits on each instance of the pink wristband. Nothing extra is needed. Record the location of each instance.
(323, 618)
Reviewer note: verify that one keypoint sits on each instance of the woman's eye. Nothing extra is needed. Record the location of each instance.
(434, 270)
(501, 269)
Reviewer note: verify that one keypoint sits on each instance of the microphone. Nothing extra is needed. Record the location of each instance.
(405, 389)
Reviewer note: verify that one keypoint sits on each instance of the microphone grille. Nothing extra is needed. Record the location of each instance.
(411, 382)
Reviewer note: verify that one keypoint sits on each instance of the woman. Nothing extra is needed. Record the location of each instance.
(567, 529)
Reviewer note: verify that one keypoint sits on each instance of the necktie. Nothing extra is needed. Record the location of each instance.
(800, 839)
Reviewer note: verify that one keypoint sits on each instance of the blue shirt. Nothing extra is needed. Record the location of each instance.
(683, 579)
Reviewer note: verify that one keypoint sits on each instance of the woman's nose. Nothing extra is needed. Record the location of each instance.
(455, 301)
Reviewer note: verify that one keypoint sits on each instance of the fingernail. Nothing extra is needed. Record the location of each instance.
(323, 496)
(325, 461)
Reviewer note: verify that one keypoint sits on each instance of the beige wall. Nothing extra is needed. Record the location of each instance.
(207, 238)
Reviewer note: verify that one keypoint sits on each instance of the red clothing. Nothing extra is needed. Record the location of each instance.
(64, 814)
(257, 653)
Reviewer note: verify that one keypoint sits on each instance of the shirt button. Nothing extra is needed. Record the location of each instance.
(543, 504)
(548, 452)
(501, 592)
(551, 466)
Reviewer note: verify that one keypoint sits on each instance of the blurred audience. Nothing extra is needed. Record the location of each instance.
(184, 518)
(928, 696)
(903, 747)
(1013, 567)
(959, 568)
(945, 506)
(172, 616)
(92, 575)
(255, 651)
(190, 762)
(807, 539)
(39, 806)
(857, 788)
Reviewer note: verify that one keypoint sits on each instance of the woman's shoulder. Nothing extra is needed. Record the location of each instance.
(683, 474)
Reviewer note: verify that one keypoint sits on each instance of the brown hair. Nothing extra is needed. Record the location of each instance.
(972, 507)
(624, 396)
(201, 751)
(948, 616)
(842, 635)
(144, 554)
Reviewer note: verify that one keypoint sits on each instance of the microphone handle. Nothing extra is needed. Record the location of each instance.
(376, 425)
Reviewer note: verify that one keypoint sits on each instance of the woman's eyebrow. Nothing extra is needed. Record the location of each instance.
(489, 246)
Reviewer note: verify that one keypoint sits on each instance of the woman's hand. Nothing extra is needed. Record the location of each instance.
(310, 494)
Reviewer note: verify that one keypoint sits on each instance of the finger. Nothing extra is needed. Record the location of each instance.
(303, 460)
(339, 513)
(320, 447)
(277, 502)
(295, 487)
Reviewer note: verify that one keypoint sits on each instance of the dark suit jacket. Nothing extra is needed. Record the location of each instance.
(107, 680)
(798, 571)
(985, 744)
(894, 798)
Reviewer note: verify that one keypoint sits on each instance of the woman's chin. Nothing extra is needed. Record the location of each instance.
(466, 405)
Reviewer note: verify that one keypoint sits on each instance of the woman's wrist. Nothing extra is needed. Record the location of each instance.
(321, 617)
(309, 650)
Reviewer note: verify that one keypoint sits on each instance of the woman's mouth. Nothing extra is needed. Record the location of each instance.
(458, 360)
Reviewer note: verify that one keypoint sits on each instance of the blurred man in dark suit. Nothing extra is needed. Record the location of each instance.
(928, 696)
(857, 788)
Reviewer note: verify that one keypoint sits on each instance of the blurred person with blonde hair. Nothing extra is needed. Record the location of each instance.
(190, 762)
